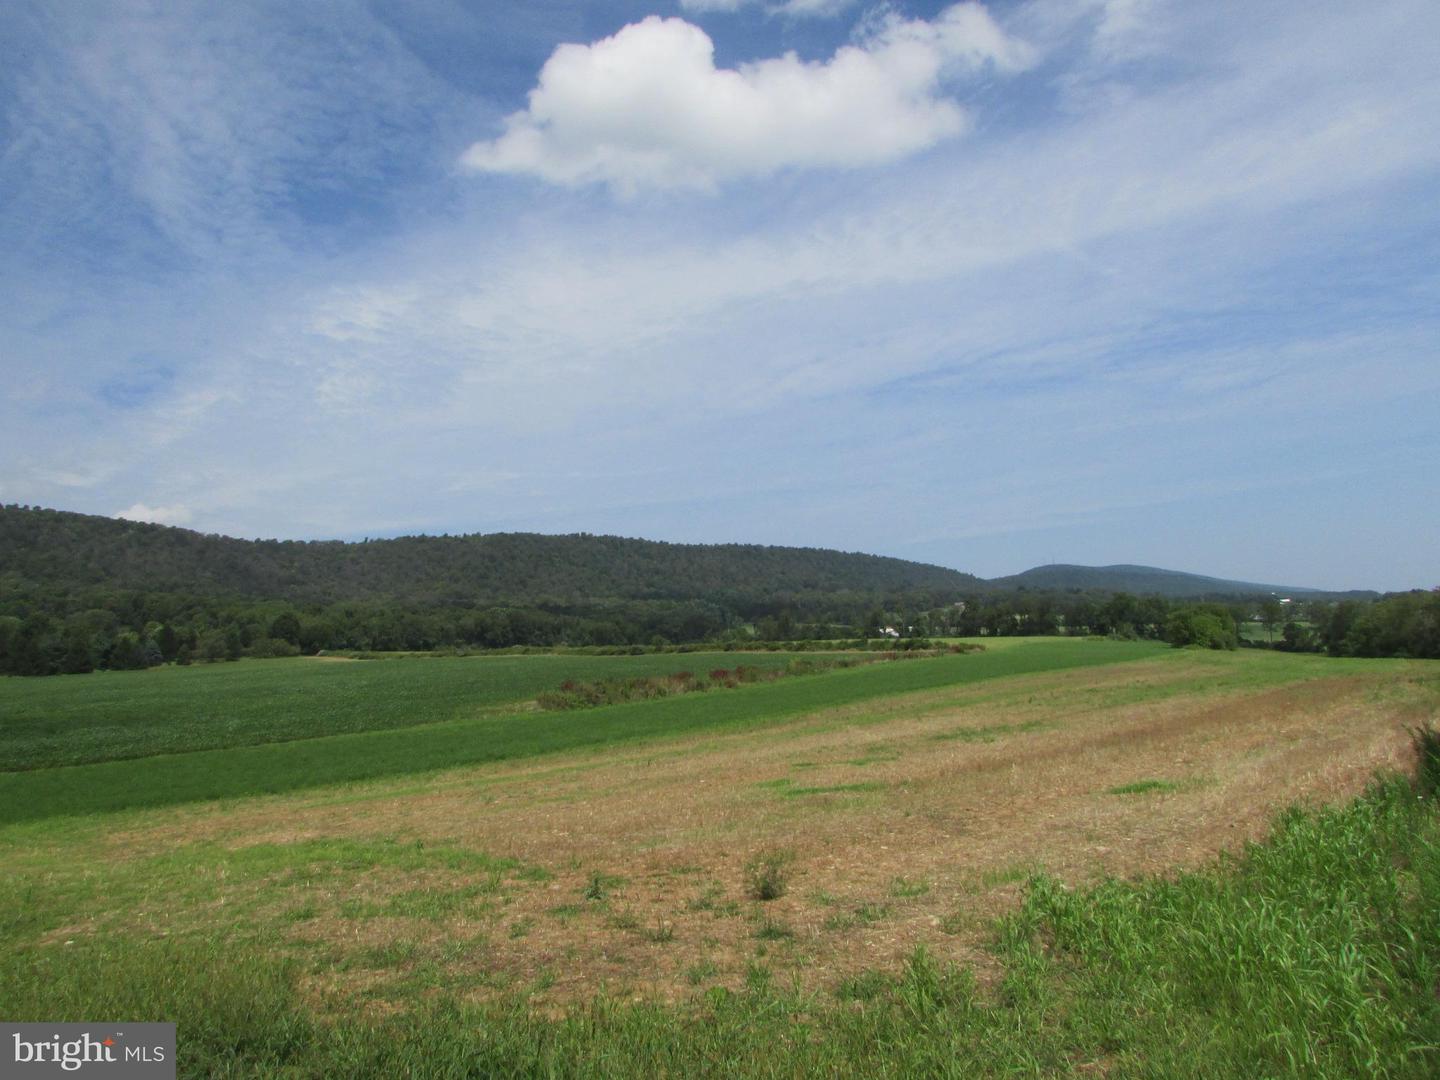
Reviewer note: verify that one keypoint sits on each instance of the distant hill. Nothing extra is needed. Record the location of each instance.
(1145, 580)
(57, 549)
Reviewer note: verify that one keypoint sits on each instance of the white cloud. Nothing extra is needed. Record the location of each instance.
(156, 515)
(649, 108)
(793, 8)
(704, 7)
(1125, 27)
(818, 8)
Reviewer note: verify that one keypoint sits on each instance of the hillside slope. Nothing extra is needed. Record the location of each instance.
(53, 548)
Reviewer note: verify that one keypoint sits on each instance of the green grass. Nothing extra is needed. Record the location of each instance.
(112, 715)
(1143, 787)
(1314, 954)
(905, 888)
(875, 755)
(286, 766)
(866, 914)
(833, 789)
(867, 986)
(773, 930)
(701, 972)
(990, 732)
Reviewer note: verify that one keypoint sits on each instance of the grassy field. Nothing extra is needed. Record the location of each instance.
(219, 705)
(112, 715)
(989, 871)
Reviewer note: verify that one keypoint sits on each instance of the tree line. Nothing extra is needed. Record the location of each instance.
(70, 632)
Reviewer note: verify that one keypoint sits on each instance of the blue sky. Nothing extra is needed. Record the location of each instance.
(989, 286)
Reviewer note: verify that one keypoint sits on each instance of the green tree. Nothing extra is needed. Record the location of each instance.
(1271, 612)
(77, 658)
(212, 646)
(127, 653)
(1297, 638)
(169, 642)
(1203, 626)
(1119, 614)
(286, 627)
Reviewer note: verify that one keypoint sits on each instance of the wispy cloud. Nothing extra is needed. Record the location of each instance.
(159, 143)
(800, 9)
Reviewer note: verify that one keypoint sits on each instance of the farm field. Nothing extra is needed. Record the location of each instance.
(285, 698)
(589, 906)
(126, 714)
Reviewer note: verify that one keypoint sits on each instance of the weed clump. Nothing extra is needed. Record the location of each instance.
(698, 973)
(905, 888)
(1426, 740)
(767, 875)
(773, 930)
(599, 885)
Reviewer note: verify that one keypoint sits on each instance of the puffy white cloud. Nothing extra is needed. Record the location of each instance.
(649, 108)
(157, 515)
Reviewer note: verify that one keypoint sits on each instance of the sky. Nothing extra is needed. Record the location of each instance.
(988, 286)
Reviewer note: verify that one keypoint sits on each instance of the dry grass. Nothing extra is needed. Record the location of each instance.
(955, 794)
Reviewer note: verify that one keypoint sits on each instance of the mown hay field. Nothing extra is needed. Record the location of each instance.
(1014, 873)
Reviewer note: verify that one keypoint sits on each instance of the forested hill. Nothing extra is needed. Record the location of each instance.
(80, 593)
(57, 549)
(1143, 581)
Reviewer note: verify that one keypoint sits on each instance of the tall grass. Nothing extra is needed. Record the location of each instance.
(1426, 741)
(1315, 954)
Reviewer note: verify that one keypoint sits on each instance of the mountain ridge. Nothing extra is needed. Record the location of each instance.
(55, 547)
(1135, 578)
(58, 547)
